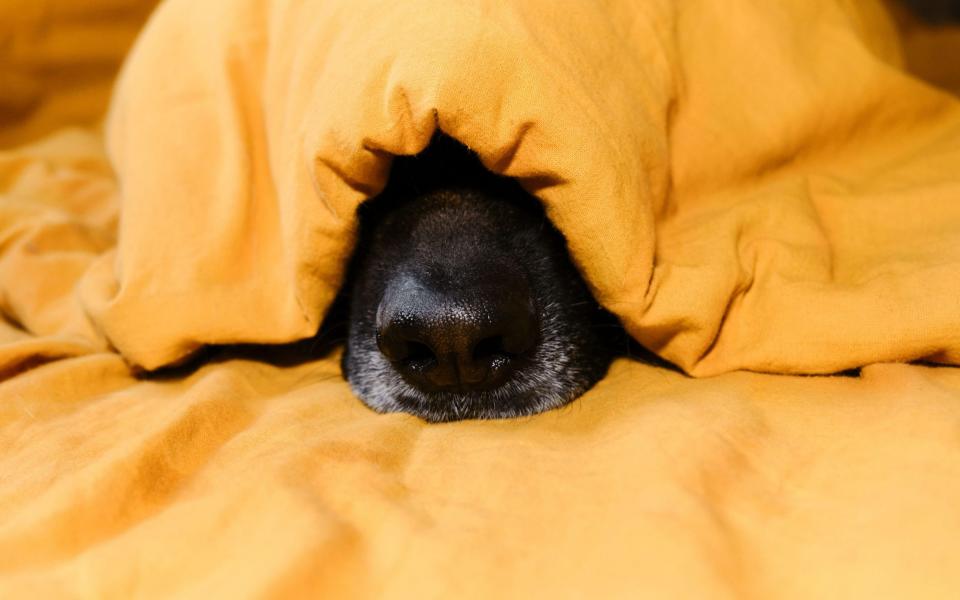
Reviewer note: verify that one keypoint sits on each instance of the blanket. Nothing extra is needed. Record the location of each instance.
(746, 185)
(249, 480)
(749, 186)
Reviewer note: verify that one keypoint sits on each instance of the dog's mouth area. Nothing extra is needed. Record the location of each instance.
(558, 368)
(441, 407)
(492, 372)
(487, 341)
(517, 394)
(489, 386)
(489, 367)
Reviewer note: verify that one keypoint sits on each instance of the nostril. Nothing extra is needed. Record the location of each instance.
(405, 351)
(419, 356)
(489, 348)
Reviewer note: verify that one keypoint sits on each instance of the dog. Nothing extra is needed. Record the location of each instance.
(462, 301)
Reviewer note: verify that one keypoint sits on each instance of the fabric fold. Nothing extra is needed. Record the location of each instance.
(745, 186)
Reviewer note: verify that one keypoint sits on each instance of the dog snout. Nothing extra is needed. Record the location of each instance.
(469, 339)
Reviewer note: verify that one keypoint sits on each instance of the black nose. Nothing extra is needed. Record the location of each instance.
(469, 340)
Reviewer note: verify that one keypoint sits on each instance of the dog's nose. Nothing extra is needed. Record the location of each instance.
(467, 341)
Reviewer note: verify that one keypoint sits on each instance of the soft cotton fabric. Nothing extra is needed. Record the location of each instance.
(748, 184)
(58, 60)
(248, 480)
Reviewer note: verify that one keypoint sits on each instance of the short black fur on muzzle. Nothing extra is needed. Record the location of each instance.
(463, 301)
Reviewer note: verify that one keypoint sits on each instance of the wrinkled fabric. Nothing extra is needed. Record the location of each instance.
(748, 186)
(58, 61)
(244, 479)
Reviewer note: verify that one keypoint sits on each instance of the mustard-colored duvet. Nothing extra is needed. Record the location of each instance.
(750, 186)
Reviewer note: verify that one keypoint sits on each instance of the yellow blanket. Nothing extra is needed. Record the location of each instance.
(749, 185)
